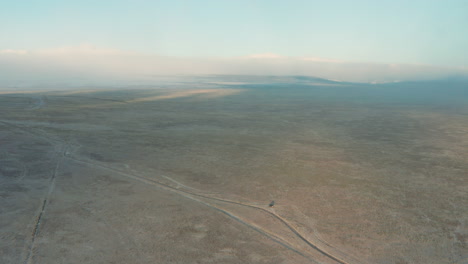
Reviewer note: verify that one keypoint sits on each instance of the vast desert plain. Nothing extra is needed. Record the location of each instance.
(185, 171)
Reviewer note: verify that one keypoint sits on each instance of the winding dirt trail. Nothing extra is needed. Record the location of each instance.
(45, 202)
(196, 197)
(192, 194)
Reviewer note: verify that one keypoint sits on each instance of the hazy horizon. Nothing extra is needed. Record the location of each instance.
(86, 62)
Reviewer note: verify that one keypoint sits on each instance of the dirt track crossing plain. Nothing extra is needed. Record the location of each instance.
(358, 174)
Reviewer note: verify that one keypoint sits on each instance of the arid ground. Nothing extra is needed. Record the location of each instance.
(185, 173)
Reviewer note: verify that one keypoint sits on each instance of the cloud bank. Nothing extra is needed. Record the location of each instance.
(87, 62)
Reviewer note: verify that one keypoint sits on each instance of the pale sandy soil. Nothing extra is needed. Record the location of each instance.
(186, 176)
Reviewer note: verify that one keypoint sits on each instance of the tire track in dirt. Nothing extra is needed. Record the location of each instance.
(45, 202)
(43, 205)
(189, 194)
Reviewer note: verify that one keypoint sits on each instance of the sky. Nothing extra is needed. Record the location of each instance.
(280, 34)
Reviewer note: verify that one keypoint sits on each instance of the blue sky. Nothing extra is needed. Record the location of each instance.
(355, 40)
(397, 31)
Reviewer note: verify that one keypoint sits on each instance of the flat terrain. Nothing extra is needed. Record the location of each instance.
(185, 173)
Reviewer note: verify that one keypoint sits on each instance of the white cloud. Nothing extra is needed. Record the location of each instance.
(317, 59)
(12, 51)
(84, 48)
(265, 56)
